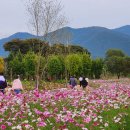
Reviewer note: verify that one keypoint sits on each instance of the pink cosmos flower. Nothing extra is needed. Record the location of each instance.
(46, 113)
(87, 120)
(3, 127)
(9, 123)
(42, 124)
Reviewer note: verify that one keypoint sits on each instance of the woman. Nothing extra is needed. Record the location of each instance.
(17, 85)
(3, 83)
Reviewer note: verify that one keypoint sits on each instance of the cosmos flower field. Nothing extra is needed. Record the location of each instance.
(104, 108)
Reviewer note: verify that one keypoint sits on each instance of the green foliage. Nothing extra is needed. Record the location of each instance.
(29, 61)
(17, 65)
(73, 63)
(77, 49)
(25, 46)
(54, 65)
(114, 52)
(97, 68)
(54, 61)
(37, 45)
(126, 64)
(115, 65)
(1, 64)
(61, 58)
(86, 64)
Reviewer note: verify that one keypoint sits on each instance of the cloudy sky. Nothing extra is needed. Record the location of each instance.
(81, 13)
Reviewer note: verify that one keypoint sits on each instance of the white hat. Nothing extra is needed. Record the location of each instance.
(80, 79)
(86, 79)
(2, 78)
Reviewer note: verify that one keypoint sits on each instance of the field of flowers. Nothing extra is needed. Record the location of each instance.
(104, 108)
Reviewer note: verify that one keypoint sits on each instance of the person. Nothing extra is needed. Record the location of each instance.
(84, 83)
(87, 79)
(3, 83)
(80, 80)
(17, 85)
(72, 82)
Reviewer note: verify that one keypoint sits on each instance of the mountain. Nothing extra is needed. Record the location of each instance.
(96, 39)
(99, 39)
(19, 35)
(124, 29)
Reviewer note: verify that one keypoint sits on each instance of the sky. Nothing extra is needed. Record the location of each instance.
(80, 13)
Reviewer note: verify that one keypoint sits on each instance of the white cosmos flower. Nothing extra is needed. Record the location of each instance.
(100, 120)
(14, 128)
(39, 119)
(33, 120)
(84, 129)
(106, 124)
(19, 127)
(13, 118)
(95, 119)
(30, 113)
(117, 120)
(100, 117)
(116, 106)
(26, 121)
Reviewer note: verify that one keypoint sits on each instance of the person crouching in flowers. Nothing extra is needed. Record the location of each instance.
(84, 83)
(17, 85)
(72, 82)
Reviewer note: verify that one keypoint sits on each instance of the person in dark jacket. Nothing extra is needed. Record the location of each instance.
(3, 83)
(84, 83)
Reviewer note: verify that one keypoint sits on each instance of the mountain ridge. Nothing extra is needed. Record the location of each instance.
(96, 39)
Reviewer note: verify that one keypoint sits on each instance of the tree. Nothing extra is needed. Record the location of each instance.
(1, 64)
(29, 61)
(73, 63)
(45, 17)
(87, 64)
(24, 46)
(54, 66)
(17, 65)
(77, 49)
(115, 65)
(114, 52)
(126, 66)
(97, 68)
(13, 45)
(116, 62)
(61, 58)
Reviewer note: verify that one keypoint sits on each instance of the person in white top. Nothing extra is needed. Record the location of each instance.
(80, 80)
(17, 85)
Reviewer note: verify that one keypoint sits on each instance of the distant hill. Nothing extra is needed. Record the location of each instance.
(124, 29)
(99, 39)
(96, 39)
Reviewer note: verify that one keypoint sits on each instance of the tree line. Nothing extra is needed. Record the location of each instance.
(59, 61)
